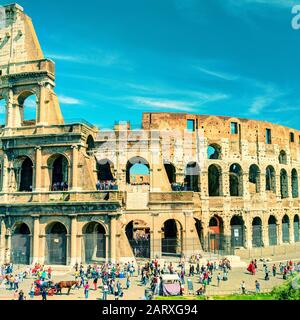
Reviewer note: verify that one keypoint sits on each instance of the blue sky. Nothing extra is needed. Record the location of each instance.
(116, 59)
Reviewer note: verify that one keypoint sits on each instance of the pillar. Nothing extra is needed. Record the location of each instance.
(36, 239)
(2, 240)
(227, 236)
(38, 171)
(74, 167)
(291, 230)
(5, 179)
(113, 223)
(9, 109)
(73, 257)
(265, 233)
(279, 232)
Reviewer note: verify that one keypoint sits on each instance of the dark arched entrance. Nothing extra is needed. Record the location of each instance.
(272, 230)
(214, 181)
(172, 238)
(94, 241)
(26, 175)
(138, 235)
(59, 172)
(285, 229)
(56, 244)
(191, 180)
(257, 232)
(296, 228)
(216, 236)
(20, 244)
(237, 231)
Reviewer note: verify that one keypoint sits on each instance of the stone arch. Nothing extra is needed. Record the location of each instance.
(254, 179)
(270, 179)
(237, 231)
(105, 170)
(170, 171)
(295, 191)
(90, 145)
(216, 234)
(172, 238)
(236, 180)
(282, 158)
(24, 173)
(27, 106)
(20, 243)
(56, 244)
(272, 230)
(284, 184)
(138, 235)
(94, 242)
(59, 165)
(296, 228)
(191, 180)
(214, 151)
(257, 240)
(137, 171)
(285, 229)
(214, 180)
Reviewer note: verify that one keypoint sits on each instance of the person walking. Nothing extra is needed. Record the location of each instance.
(243, 287)
(44, 295)
(257, 286)
(21, 295)
(219, 278)
(86, 290)
(128, 283)
(274, 270)
(95, 283)
(31, 292)
(105, 291)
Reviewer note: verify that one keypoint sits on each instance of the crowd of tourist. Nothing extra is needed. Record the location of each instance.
(116, 279)
(60, 186)
(106, 185)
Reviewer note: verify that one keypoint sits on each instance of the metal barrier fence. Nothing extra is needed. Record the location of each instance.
(93, 247)
(56, 249)
(20, 249)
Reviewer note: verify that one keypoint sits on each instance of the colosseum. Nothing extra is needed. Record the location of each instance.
(182, 184)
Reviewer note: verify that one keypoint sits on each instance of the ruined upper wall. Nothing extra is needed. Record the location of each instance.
(18, 40)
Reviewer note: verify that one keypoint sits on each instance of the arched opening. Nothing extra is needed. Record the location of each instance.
(237, 231)
(191, 180)
(199, 229)
(214, 180)
(270, 179)
(2, 110)
(171, 238)
(26, 175)
(296, 228)
(295, 192)
(138, 235)
(254, 179)
(285, 229)
(90, 145)
(236, 180)
(60, 173)
(272, 231)
(94, 242)
(20, 244)
(214, 152)
(284, 184)
(138, 171)
(105, 175)
(28, 108)
(56, 244)
(282, 157)
(257, 232)
(216, 235)
(171, 173)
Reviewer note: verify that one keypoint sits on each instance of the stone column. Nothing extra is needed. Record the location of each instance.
(155, 239)
(2, 240)
(38, 171)
(74, 167)
(291, 231)
(73, 239)
(265, 234)
(113, 232)
(227, 236)
(278, 189)
(225, 186)
(36, 239)
(7, 257)
(5, 179)
(279, 232)
(9, 109)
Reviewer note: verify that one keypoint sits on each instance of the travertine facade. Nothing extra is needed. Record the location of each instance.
(215, 183)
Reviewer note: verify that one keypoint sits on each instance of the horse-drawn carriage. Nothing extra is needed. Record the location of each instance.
(49, 286)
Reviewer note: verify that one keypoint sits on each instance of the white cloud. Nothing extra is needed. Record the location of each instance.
(69, 100)
(163, 104)
(220, 75)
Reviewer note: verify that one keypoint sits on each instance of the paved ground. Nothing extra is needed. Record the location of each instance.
(136, 291)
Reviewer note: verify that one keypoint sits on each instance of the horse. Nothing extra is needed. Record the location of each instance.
(65, 284)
